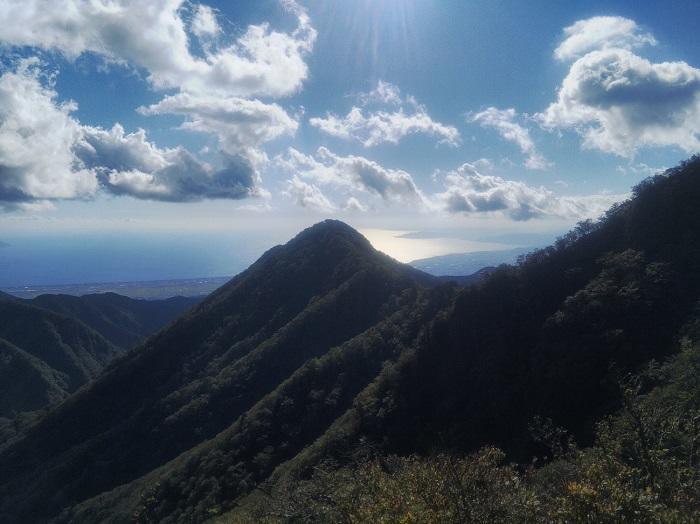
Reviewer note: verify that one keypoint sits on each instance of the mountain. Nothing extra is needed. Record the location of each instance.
(466, 280)
(27, 383)
(464, 264)
(324, 345)
(302, 307)
(45, 356)
(124, 321)
(53, 344)
(553, 339)
(552, 336)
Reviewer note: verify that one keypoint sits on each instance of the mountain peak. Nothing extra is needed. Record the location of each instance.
(331, 226)
(331, 230)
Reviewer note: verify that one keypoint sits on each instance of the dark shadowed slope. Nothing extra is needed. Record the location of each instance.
(325, 343)
(200, 376)
(46, 356)
(27, 383)
(549, 338)
(552, 337)
(56, 343)
(124, 321)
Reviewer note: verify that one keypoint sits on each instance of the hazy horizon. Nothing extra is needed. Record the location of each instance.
(38, 259)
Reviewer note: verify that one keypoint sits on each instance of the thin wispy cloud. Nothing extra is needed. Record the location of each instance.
(504, 121)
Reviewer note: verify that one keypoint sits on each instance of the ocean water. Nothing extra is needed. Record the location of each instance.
(63, 258)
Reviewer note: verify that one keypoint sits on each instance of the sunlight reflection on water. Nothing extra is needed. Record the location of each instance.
(404, 249)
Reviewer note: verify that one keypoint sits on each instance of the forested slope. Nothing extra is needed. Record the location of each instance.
(124, 321)
(325, 346)
(45, 356)
(213, 365)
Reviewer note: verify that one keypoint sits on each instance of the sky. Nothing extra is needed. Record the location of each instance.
(132, 131)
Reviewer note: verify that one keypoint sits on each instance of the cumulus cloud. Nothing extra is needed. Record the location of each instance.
(353, 173)
(468, 191)
(372, 126)
(308, 196)
(119, 151)
(240, 124)
(128, 164)
(48, 154)
(601, 32)
(504, 121)
(37, 134)
(618, 101)
(153, 36)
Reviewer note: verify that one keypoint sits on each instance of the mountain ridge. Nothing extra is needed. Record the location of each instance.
(322, 288)
(57, 343)
(324, 344)
(124, 321)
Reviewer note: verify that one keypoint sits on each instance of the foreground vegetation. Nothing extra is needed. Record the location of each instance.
(642, 468)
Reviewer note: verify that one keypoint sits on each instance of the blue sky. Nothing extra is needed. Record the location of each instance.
(461, 119)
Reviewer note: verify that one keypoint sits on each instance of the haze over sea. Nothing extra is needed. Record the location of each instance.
(59, 259)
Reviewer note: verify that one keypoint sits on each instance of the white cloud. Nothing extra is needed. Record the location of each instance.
(372, 127)
(484, 163)
(120, 151)
(214, 92)
(37, 134)
(353, 204)
(308, 196)
(353, 173)
(504, 121)
(619, 102)
(46, 154)
(239, 124)
(640, 169)
(204, 24)
(601, 32)
(153, 36)
(467, 191)
(128, 164)
(386, 93)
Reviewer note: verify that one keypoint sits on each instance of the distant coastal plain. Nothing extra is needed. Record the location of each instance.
(148, 290)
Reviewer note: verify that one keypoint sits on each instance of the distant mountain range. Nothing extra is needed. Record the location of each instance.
(53, 344)
(325, 344)
(123, 321)
(45, 356)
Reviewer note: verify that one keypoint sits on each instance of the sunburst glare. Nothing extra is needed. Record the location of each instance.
(371, 27)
